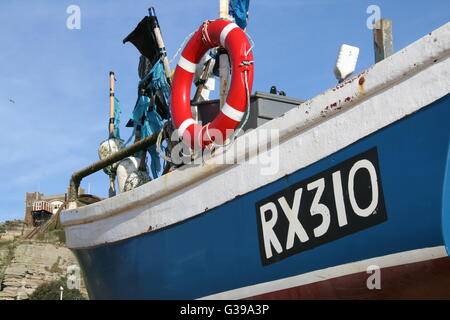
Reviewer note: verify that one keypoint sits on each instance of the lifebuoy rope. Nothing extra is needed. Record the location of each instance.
(241, 124)
(188, 37)
(235, 112)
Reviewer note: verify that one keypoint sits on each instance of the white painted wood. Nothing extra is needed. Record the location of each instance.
(223, 9)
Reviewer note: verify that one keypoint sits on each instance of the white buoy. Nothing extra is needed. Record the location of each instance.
(129, 176)
(107, 148)
(136, 179)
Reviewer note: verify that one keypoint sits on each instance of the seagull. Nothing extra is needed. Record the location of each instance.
(12, 101)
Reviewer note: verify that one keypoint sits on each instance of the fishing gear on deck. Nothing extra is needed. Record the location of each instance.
(204, 77)
(113, 143)
(144, 67)
(160, 41)
(143, 38)
(227, 34)
(147, 38)
(274, 90)
(154, 69)
(131, 174)
(152, 105)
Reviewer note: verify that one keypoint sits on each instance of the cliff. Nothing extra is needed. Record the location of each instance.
(25, 264)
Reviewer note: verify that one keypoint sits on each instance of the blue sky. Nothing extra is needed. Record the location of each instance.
(58, 78)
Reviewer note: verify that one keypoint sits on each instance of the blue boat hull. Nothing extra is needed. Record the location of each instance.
(220, 249)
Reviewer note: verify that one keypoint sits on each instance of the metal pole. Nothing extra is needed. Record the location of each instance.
(382, 39)
(111, 104)
(99, 165)
(202, 81)
(112, 186)
(159, 39)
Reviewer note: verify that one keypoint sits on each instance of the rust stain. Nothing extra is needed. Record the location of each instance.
(361, 82)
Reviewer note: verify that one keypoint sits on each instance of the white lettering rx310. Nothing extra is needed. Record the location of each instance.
(304, 214)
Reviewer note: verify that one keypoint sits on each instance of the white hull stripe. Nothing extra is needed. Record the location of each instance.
(232, 113)
(391, 260)
(186, 123)
(226, 31)
(187, 65)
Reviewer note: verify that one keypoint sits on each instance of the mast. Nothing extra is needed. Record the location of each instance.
(223, 10)
(111, 104)
(224, 65)
(160, 41)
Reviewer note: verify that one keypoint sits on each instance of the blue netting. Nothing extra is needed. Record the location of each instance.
(238, 10)
(153, 122)
(158, 80)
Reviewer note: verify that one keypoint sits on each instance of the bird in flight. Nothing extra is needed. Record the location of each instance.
(12, 101)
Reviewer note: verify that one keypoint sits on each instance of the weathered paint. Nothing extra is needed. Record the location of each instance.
(193, 233)
(307, 134)
(218, 251)
(426, 280)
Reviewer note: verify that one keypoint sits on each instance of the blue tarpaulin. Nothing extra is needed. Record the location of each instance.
(238, 10)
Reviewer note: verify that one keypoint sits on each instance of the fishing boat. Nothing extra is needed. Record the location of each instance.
(344, 196)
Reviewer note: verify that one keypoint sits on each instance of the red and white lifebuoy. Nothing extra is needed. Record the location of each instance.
(210, 35)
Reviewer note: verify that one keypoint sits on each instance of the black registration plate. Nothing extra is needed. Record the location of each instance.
(337, 202)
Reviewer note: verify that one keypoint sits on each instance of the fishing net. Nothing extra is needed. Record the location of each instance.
(107, 148)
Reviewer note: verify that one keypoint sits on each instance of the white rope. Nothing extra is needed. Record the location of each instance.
(252, 42)
(247, 111)
(158, 147)
(182, 45)
(242, 124)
